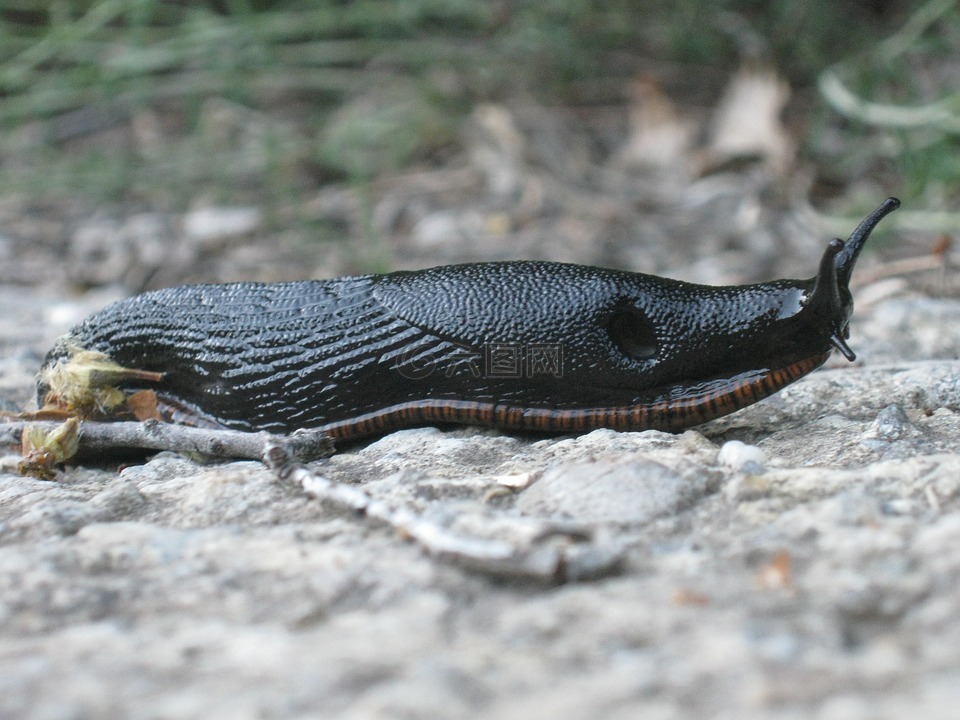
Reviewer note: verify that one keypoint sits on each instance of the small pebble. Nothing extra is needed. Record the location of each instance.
(742, 457)
(891, 423)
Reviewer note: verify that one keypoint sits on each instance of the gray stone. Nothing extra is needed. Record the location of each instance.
(632, 491)
(797, 559)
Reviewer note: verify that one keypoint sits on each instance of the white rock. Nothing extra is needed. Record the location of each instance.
(740, 456)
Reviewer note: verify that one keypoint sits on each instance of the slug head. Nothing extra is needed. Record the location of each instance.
(679, 336)
(830, 300)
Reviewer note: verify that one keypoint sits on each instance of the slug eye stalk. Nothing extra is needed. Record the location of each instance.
(847, 257)
(830, 298)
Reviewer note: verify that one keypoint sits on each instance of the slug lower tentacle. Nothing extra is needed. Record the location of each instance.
(532, 346)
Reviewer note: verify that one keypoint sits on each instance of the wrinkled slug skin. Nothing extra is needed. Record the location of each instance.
(304, 354)
(523, 345)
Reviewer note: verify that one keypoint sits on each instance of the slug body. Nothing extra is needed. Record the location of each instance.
(535, 346)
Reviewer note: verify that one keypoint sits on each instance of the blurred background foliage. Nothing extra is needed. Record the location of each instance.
(236, 100)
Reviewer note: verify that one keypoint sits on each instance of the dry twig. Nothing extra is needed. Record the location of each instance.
(545, 562)
(106, 437)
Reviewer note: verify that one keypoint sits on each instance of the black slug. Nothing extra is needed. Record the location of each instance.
(535, 346)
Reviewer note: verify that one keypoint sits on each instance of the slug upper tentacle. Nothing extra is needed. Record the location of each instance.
(522, 345)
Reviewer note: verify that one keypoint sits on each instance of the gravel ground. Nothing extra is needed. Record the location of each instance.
(798, 559)
(790, 561)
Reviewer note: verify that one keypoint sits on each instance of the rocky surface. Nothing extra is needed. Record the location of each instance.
(799, 559)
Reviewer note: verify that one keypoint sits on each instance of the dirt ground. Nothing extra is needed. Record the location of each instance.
(798, 559)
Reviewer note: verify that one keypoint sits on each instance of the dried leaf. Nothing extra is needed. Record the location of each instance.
(143, 405)
(43, 449)
(83, 383)
(747, 124)
(659, 136)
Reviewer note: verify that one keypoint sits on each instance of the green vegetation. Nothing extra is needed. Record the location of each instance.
(234, 98)
(902, 107)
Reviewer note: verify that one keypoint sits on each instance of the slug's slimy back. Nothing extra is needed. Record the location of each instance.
(534, 346)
